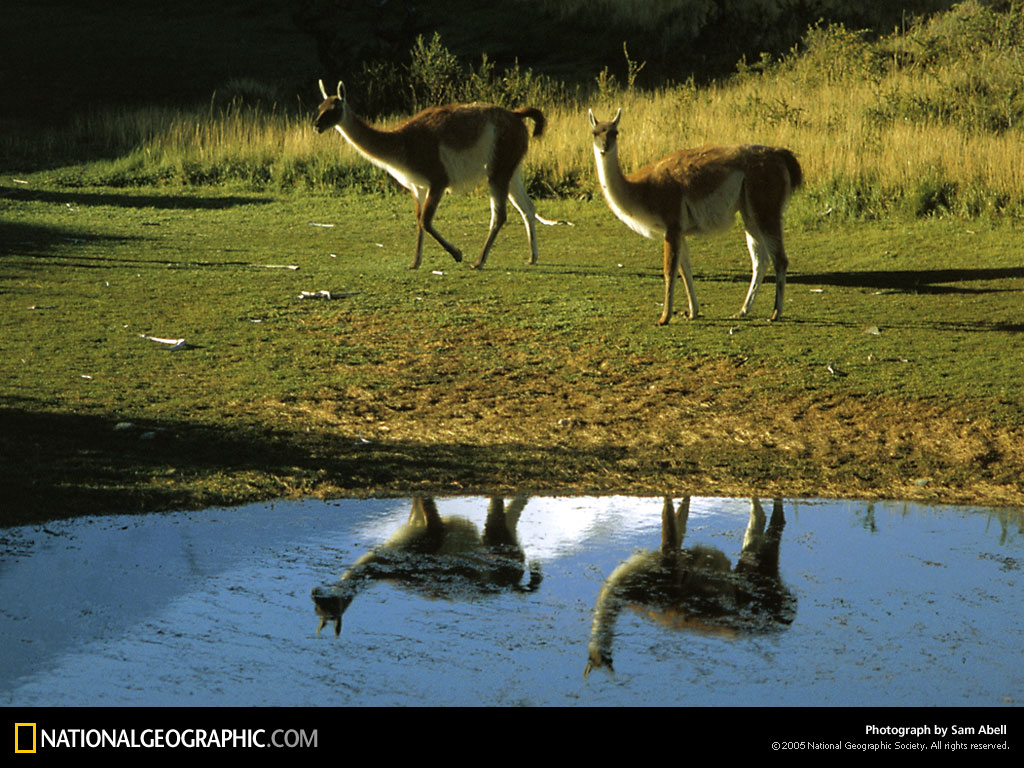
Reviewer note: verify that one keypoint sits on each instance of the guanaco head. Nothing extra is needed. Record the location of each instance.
(598, 660)
(605, 134)
(330, 605)
(332, 110)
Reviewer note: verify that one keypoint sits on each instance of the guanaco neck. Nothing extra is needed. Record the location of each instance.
(617, 188)
(624, 196)
(634, 575)
(381, 147)
(602, 629)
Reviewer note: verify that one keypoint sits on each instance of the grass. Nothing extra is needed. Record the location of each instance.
(924, 122)
(170, 266)
(896, 371)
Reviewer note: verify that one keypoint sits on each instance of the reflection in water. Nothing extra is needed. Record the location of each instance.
(438, 557)
(899, 605)
(696, 588)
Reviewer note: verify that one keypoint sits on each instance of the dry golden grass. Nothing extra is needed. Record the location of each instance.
(836, 130)
(878, 127)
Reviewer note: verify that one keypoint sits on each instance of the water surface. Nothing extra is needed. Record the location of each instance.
(867, 604)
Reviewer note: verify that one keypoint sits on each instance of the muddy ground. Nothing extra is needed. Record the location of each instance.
(699, 431)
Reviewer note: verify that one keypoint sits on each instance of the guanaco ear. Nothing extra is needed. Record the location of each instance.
(341, 91)
(593, 120)
(323, 90)
(615, 120)
(603, 662)
(323, 623)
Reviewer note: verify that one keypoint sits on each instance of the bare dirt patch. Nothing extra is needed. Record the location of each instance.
(644, 426)
(636, 427)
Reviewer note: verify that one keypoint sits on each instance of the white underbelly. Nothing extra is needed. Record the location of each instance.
(715, 212)
(465, 168)
(468, 167)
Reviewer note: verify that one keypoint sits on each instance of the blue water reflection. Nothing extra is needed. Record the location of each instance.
(849, 604)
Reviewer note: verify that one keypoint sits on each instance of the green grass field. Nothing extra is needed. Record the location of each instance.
(894, 373)
(196, 202)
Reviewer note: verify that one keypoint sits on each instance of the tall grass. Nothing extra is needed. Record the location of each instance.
(876, 135)
(927, 121)
(250, 145)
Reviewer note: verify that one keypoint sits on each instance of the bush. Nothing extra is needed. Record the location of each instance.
(933, 197)
(434, 75)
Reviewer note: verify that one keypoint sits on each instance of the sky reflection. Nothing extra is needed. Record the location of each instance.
(894, 605)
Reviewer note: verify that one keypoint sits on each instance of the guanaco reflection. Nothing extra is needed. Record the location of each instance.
(696, 588)
(443, 557)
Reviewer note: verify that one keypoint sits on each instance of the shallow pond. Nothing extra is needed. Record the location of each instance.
(798, 603)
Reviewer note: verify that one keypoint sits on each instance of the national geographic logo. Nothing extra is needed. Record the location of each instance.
(29, 738)
(25, 738)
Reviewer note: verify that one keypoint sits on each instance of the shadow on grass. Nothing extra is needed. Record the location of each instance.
(128, 200)
(39, 246)
(925, 281)
(931, 281)
(21, 239)
(61, 465)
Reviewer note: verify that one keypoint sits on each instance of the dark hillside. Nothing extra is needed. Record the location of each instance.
(92, 53)
(57, 57)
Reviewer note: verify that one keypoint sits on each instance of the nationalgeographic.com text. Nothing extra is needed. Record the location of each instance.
(172, 738)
